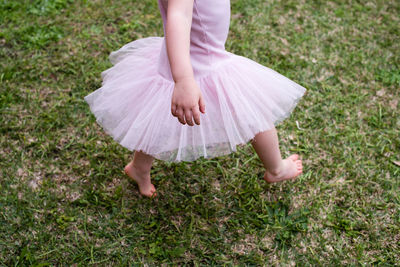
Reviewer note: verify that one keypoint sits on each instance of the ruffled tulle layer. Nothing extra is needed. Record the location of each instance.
(242, 99)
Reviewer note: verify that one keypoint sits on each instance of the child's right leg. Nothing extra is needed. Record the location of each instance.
(139, 170)
(266, 145)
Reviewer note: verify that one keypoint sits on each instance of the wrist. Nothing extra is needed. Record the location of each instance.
(186, 78)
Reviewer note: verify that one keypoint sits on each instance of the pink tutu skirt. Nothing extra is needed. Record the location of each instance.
(242, 99)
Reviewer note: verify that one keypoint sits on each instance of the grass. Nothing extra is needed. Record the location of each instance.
(65, 199)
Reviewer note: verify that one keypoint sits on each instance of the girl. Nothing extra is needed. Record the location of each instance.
(183, 96)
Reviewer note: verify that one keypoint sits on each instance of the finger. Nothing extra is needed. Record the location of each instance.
(188, 117)
(196, 115)
(179, 114)
(202, 104)
(173, 110)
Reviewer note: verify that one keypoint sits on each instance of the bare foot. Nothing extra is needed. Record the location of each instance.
(146, 188)
(290, 169)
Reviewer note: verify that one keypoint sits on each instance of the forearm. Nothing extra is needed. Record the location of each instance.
(179, 21)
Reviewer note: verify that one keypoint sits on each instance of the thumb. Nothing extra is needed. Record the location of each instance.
(202, 105)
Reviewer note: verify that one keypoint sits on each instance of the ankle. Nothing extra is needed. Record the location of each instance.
(276, 171)
(140, 168)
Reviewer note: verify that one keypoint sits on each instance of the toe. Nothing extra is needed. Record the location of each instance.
(294, 157)
(299, 166)
(151, 194)
(153, 191)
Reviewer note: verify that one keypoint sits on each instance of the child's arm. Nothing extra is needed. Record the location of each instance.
(186, 99)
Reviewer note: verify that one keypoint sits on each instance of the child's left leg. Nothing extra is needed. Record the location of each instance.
(139, 170)
(266, 145)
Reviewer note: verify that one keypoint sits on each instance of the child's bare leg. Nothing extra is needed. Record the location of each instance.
(139, 170)
(266, 145)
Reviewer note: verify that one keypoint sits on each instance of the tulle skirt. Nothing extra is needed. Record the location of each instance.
(242, 98)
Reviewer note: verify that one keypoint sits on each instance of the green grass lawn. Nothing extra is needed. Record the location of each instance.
(65, 199)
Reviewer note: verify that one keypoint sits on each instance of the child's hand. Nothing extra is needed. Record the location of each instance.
(187, 101)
